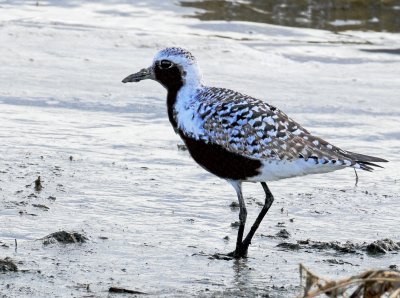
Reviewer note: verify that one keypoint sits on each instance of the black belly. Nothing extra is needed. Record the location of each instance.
(215, 159)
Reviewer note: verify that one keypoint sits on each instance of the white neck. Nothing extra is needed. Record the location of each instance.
(186, 107)
(192, 77)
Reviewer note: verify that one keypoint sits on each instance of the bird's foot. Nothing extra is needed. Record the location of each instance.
(239, 252)
(234, 255)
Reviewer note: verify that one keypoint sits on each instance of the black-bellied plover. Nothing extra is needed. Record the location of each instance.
(240, 138)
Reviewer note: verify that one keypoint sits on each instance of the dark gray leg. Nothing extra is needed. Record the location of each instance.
(242, 216)
(242, 246)
(269, 199)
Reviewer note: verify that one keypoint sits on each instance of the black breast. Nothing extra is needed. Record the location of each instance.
(220, 162)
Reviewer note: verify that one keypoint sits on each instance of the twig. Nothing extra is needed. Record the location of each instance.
(355, 171)
(122, 290)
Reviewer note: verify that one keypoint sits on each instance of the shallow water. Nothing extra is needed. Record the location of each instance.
(321, 14)
(149, 211)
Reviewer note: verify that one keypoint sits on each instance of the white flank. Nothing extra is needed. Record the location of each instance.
(273, 170)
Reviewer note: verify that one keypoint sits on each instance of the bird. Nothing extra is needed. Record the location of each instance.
(240, 138)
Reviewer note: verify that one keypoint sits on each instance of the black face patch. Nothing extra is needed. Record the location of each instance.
(171, 78)
(168, 75)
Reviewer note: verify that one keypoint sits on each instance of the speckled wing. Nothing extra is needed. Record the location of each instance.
(255, 129)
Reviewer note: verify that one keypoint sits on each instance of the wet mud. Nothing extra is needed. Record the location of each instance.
(375, 248)
(275, 243)
(332, 253)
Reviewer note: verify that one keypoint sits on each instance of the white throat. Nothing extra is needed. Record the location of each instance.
(186, 107)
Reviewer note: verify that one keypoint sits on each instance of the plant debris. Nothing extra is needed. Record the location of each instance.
(64, 237)
(370, 284)
(7, 265)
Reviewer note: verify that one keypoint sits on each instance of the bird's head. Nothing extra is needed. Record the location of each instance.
(172, 68)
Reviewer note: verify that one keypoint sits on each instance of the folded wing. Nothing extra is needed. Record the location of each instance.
(255, 129)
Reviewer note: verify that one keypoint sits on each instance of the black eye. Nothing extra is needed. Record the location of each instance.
(164, 64)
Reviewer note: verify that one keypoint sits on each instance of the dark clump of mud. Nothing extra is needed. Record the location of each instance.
(336, 262)
(382, 246)
(347, 247)
(234, 205)
(38, 184)
(7, 265)
(283, 234)
(41, 206)
(182, 147)
(375, 248)
(290, 246)
(64, 237)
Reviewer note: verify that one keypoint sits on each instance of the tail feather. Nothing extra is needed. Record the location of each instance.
(367, 166)
(364, 158)
(365, 162)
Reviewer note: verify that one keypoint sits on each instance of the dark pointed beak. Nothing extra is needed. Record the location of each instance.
(144, 74)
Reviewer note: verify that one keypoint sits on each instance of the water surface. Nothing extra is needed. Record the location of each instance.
(331, 15)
